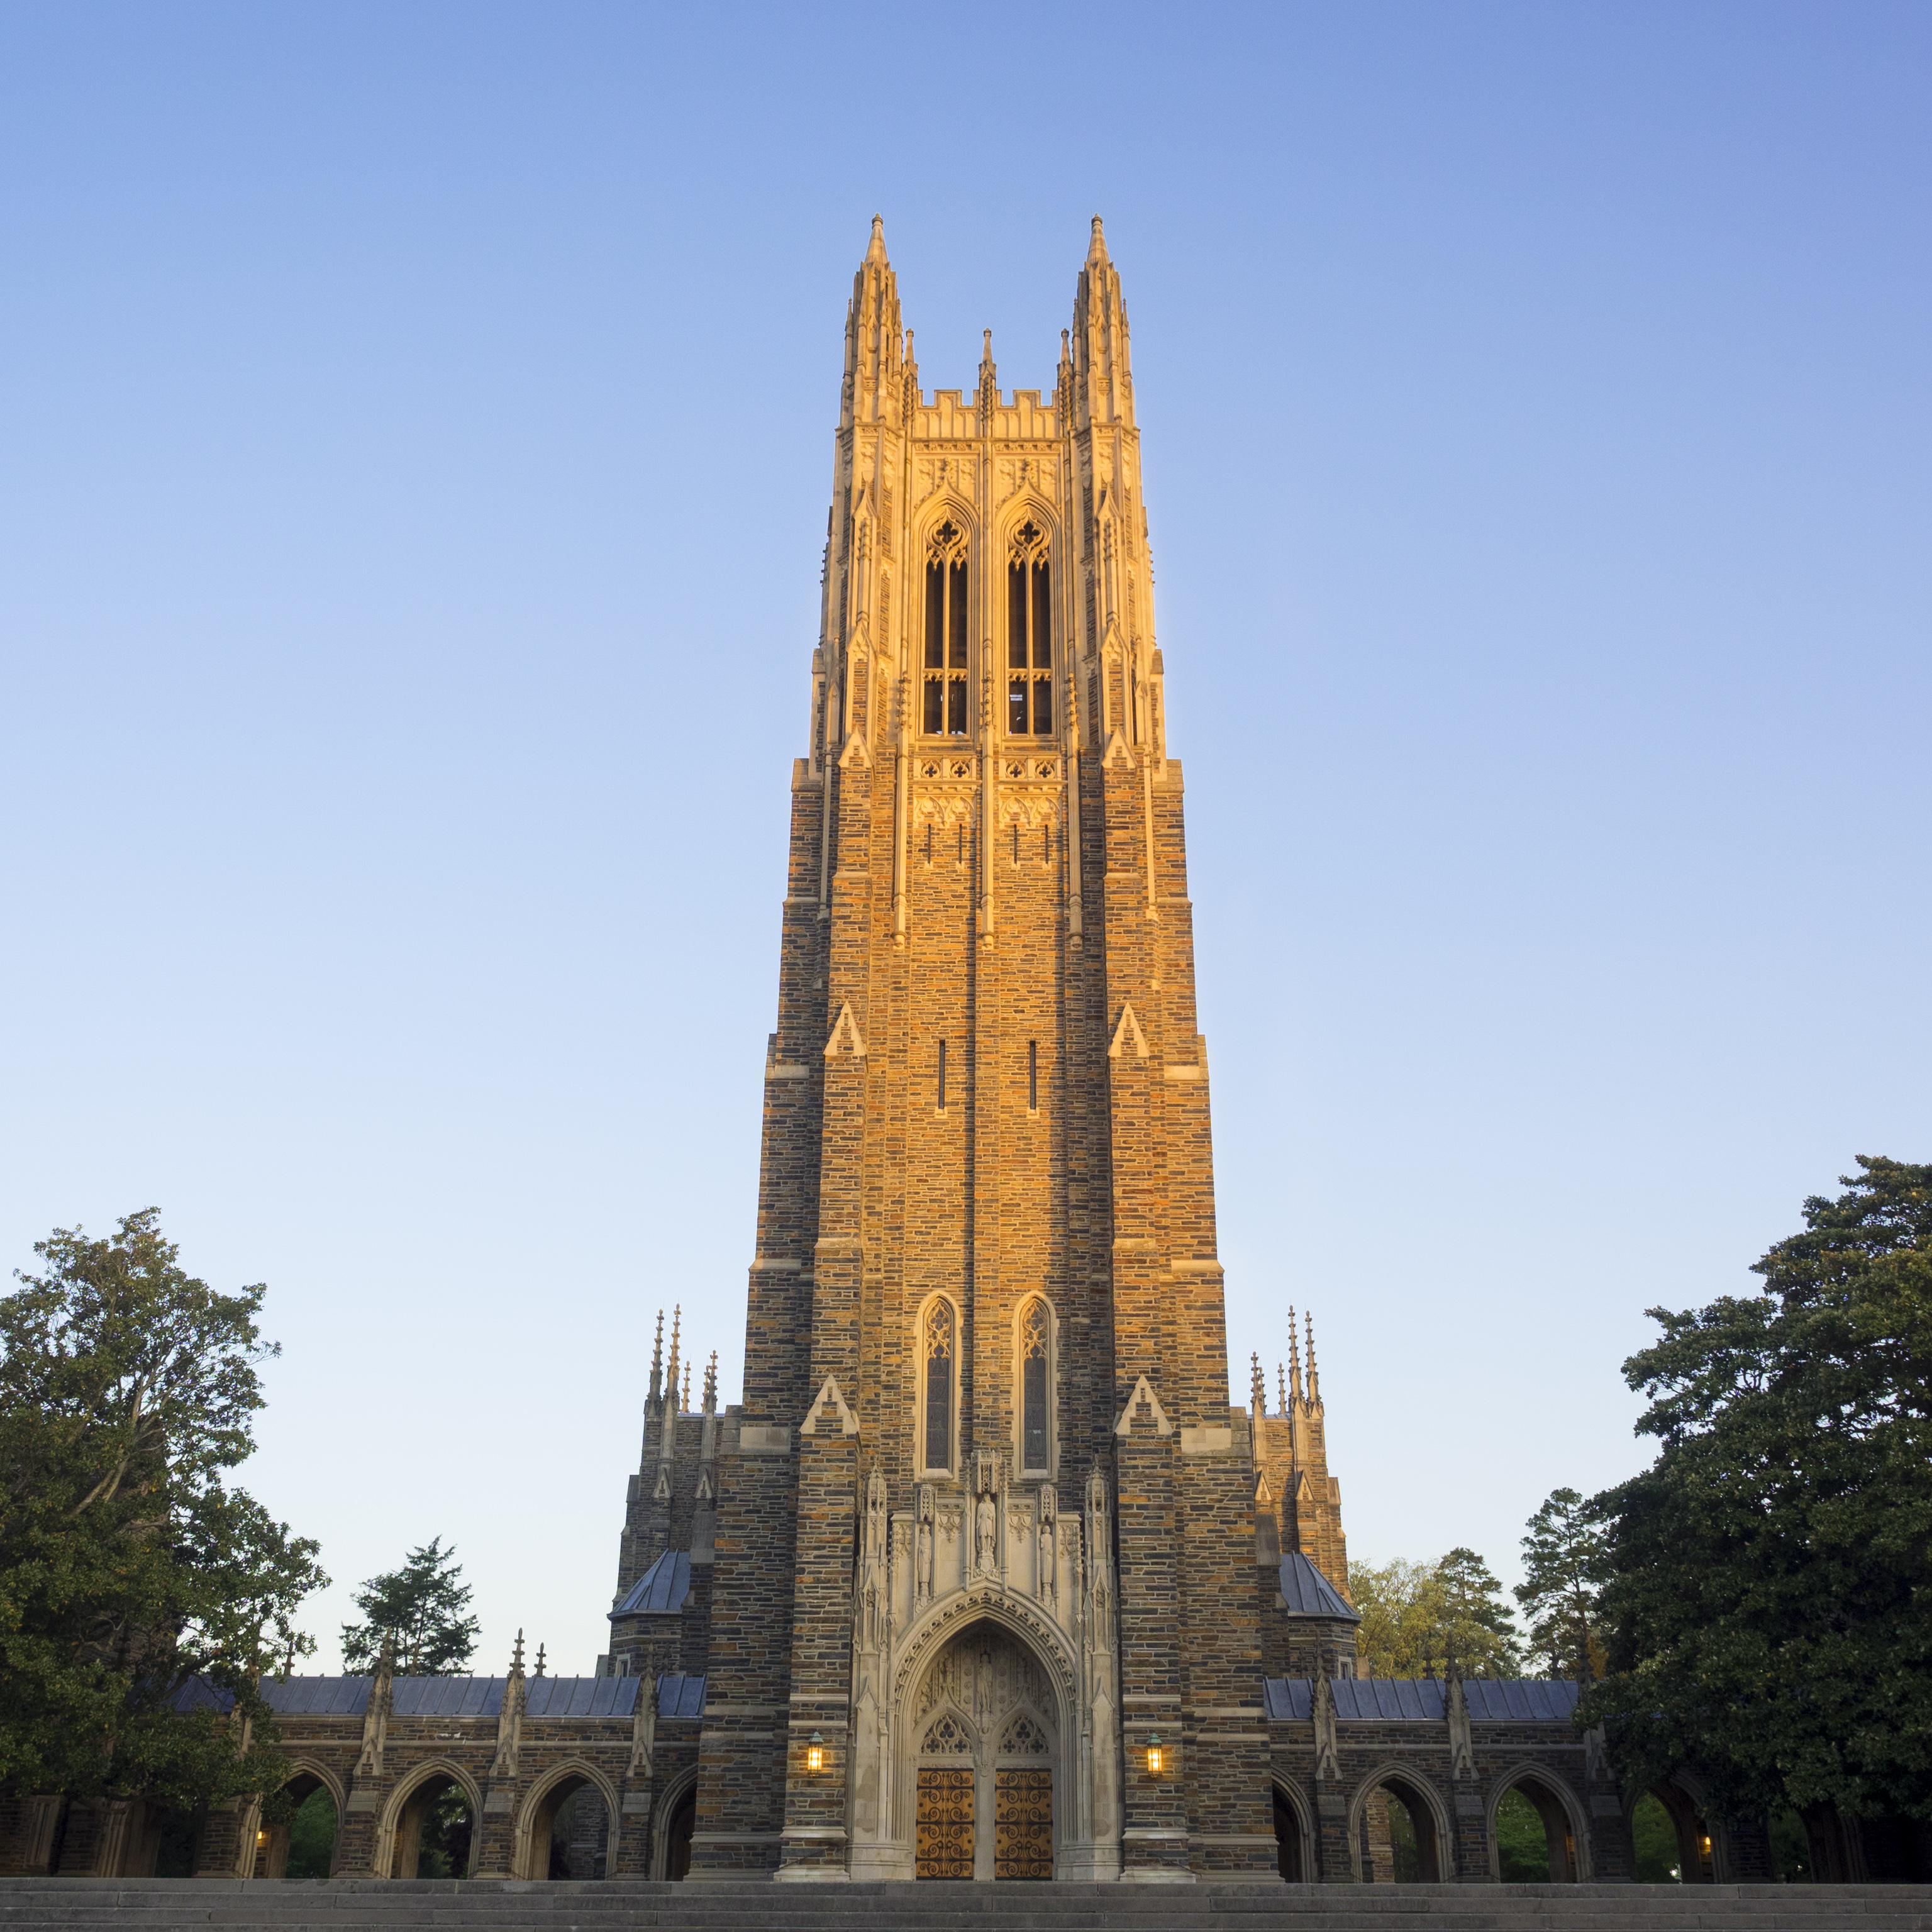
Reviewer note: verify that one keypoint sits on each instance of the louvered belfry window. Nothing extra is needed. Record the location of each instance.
(945, 708)
(1029, 637)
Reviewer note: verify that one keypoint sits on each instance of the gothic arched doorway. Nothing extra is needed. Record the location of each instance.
(988, 1761)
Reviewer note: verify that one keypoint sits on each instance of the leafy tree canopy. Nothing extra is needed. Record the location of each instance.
(1419, 1618)
(127, 1565)
(1769, 1609)
(420, 1608)
(1564, 1569)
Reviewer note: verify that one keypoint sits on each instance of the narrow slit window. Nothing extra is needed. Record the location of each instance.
(942, 1076)
(939, 1353)
(1033, 1076)
(1033, 1387)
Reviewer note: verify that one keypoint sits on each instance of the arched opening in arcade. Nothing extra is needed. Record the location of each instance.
(566, 1830)
(986, 1761)
(1396, 1839)
(1669, 1839)
(435, 1834)
(297, 1837)
(1533, 1835)
(1291, 1838)
(670, 1848)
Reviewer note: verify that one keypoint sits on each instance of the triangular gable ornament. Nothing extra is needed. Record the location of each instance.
(1143, 1394)
(1117, 752)
(855, 756)
(1264, 1495)
(1127, 1034)
(846, 1037)
(830, 1403)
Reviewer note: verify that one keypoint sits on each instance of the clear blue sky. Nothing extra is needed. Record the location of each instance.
(415, 429)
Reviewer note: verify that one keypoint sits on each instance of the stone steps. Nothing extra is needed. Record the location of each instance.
(353, 1905)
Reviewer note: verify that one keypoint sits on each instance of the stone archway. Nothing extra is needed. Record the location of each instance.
(985, 1764)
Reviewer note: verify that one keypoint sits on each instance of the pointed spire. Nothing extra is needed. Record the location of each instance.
(1294, 1355)
(670, 1381)
(657, 1361)
(540, 1660)
(684, 1406)
(1281, 1382)
(711, 1385)
(1258, 1382)
(1103, 389)
(989, 377)
(1314, 1373)
(517, 1656)
(873, 336)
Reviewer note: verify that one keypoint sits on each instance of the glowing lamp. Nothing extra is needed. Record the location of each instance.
(1154, 1754)
(815, 1753)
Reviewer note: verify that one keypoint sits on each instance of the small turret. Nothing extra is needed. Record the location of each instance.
(1103, 386)
(874, 388)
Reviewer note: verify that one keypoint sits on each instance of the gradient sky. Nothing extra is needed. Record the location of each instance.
(415, 433)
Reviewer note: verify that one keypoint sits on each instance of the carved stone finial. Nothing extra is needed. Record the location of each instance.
(540, 1660)
(875, 249)
(711, 1385)
(1096, 249)
(517, 1656)
(1258, 1381)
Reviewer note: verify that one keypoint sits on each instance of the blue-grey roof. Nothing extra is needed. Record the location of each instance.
(1307, 1593)
(680, 1696)
(661, 1591)
(429, 1696)
(1422, 1699)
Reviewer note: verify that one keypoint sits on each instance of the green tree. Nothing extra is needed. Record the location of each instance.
(1419, 1618)
(1564, 1568)
(1769, 1604)
(127, 1566)
(421, 1608)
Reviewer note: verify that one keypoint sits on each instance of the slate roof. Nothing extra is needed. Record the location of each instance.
(679, 1696)
(1307, 1593)
(660, 1590)
(428, 1696)
(1422, 1699)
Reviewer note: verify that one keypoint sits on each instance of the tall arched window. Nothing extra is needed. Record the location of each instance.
(940, 1352)
(945, 709)
(1036, 1390)
(1029, 637)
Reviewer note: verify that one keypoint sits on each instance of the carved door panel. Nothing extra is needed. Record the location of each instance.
(944, 1845)
(1023, 1823)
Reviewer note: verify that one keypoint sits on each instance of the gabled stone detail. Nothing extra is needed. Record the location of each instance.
(1143, 1393)
(846, 1037)
(1127, 1035)
(829, 1403)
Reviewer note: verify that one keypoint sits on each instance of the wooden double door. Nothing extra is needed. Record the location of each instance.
(952, 1836)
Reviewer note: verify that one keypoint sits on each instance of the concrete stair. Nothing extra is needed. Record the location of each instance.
(364, 1905)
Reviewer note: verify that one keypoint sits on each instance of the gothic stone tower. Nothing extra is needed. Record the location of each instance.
(985, 1525)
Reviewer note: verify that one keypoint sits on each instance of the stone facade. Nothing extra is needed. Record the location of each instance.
(985, 1425)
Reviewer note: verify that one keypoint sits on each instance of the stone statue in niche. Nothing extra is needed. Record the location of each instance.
(922, 1556)
(1046, 1542)
(985, 1533)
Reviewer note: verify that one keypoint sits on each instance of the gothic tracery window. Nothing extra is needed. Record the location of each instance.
(945, 709)
(1029, 636)
(1036, 1352)
(939, 1352)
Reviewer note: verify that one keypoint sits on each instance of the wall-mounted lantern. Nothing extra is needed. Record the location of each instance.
(1154, 1754)
(815, 1753)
